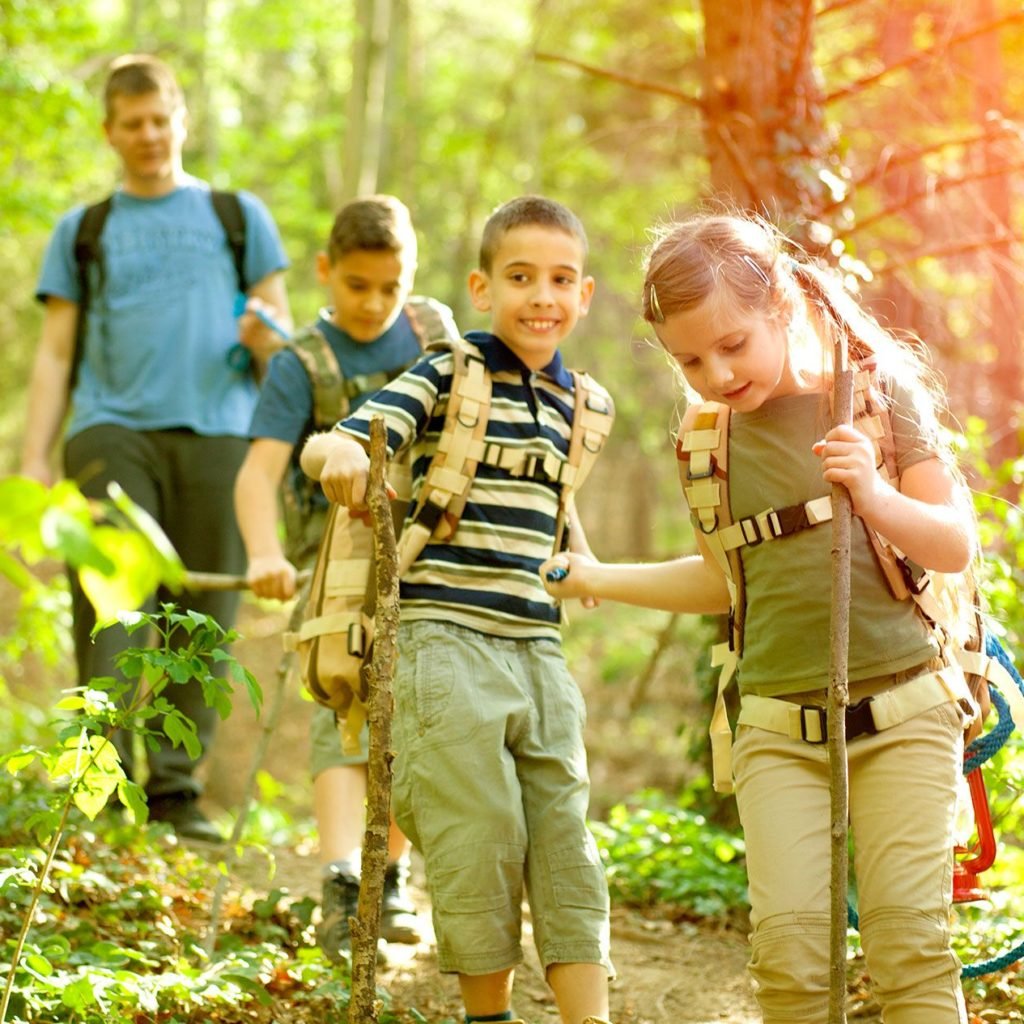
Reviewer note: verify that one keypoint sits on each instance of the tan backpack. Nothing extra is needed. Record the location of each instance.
(334, 642)
(948, 603)
(303, 515)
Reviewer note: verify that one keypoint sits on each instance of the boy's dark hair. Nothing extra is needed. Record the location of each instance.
(136, 74)
(526, 211)
(379, 223)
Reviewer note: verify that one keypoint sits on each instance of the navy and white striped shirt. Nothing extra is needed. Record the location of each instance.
(486, 576)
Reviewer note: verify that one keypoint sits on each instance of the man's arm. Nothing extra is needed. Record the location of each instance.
(270, 574)
(48, 388)
(270, 296)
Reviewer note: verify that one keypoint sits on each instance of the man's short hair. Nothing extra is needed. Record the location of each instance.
(526, 211)
(379, 223)
(137, 74)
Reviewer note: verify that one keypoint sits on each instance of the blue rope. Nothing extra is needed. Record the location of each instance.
(981, 750)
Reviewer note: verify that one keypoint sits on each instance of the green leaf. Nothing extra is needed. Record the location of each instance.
(133, 575)
(78, 995)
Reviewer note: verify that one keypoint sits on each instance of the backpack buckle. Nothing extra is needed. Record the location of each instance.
(812, 714)
(859, 719)
(429, 514)
(709, 472)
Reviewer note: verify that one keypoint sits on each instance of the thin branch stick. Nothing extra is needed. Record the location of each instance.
(617, 76)
(993, 130)
(227, 581)
(643, 681)
(920, 56)
(285, 668)
(363, 1006)
(942, 186)
(959, 247)
(838, 699)
(806, 20)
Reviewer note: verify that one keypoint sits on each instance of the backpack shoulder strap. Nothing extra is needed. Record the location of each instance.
(592, 419)
(432, 321)
(87, 251)
(228, 208)
(452, 468)
(330, 402)
(702, 448)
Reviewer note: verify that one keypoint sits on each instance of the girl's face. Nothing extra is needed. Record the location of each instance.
(739, 358)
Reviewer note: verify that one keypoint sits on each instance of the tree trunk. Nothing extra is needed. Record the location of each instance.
(763, 122)
(366, 99)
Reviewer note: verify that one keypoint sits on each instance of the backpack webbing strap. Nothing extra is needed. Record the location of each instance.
(593, 416)
(450, 474)
(702, 448)
(228, 208)
(87, 251)
(330, 400)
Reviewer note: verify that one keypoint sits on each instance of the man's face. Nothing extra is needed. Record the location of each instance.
(147, 132)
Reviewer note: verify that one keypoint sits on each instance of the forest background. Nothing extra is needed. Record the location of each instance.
(885, 136)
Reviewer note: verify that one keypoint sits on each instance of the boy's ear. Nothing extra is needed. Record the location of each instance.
(480, 291)
(586, 294)
(323, 267)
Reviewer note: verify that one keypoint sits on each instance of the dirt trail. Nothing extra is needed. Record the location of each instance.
(668, 973)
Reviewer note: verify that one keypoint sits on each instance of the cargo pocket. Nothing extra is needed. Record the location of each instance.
(577, 876)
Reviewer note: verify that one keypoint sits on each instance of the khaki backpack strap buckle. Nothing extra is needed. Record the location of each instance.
(709, 472)
(429, 514)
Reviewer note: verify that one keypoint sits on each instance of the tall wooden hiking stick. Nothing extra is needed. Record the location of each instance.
(838, 699)
(363, 1005)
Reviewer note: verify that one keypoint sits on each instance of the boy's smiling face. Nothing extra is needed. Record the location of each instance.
(367, 289)
(535, 291)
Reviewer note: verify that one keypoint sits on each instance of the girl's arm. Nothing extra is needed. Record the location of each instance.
(693, 584)
(928, 518)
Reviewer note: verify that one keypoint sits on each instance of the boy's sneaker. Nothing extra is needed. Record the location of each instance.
(397, 913)
(181, 812)
(339, 900)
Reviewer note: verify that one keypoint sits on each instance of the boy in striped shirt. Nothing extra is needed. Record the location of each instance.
(490, 779)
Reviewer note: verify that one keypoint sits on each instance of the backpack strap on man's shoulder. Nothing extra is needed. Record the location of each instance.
(432, 321)
(449, 476)
(330, 401)
(87, 251)
(231, 215)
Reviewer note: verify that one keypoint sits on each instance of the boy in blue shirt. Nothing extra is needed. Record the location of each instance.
(368, 272)
(490, 776)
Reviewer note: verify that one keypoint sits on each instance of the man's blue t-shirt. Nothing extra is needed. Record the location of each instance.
(159, 330)
(284, 411)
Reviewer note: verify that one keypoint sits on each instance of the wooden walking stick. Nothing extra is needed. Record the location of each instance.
(363, 1005)
(839, 698)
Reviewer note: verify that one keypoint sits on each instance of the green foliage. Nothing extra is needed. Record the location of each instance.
(660, 851)
(116, 934)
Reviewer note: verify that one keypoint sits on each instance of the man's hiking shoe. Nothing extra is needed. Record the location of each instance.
(397, 913)
(338, 902)
(181, 812)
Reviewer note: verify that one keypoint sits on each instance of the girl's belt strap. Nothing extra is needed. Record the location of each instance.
(872, 714)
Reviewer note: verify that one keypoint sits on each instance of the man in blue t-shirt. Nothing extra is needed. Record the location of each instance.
(157, 401)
